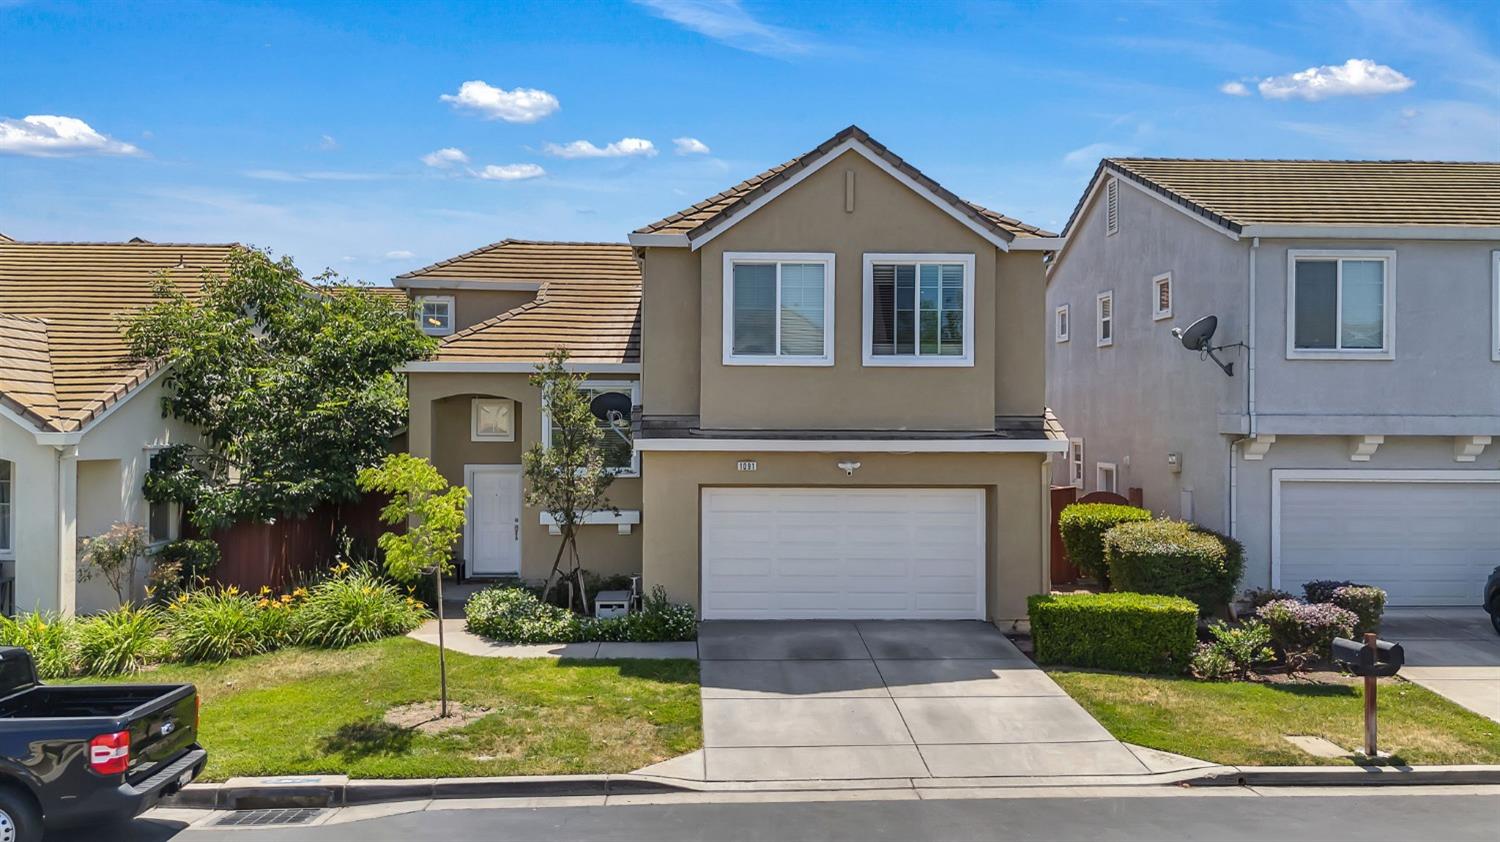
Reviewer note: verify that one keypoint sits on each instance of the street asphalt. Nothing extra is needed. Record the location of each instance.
(1448, 814)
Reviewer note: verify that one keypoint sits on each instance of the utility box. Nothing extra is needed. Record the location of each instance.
(611, 604)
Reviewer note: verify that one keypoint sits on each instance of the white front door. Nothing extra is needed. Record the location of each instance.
(492, 540)
(827, 553)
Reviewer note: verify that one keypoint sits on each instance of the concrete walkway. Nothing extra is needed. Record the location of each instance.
(1453, 652)
(882, 700)
(458, 639)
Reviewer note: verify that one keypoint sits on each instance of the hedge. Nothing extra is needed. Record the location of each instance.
(1174, 558)
(1128, 632)
(1083, 526)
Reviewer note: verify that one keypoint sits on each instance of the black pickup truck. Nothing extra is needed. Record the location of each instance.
(92, 755)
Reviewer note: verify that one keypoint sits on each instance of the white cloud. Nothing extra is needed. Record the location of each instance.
(445, 157)
(510, 172)
(1234, 89)
(727, 21)
(1355, 77)
(327, 143)
(50, 136)
(690, 146)
(622, 148)
(400, 254)
(522, 105)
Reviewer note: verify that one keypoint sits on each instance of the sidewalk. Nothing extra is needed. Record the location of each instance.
(458, 639)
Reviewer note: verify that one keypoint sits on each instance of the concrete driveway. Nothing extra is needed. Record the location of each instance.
(1453, 652)
(849, 700)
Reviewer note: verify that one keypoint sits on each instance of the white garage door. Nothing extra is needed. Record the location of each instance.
(1425, 543)
(813, 553)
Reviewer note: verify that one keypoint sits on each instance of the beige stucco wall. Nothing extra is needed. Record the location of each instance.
(1006, 375)
(1015, 486)
(439, 430)
(472, 306)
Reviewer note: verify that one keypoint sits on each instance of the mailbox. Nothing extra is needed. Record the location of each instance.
(1382, 660)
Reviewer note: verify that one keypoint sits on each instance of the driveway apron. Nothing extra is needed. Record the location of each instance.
(824, 700)
(1453, 652)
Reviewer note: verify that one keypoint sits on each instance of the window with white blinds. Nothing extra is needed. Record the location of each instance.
(919, 309)
(778, 309)
(1104, 321)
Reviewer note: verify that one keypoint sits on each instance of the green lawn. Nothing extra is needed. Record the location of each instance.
(1243, 724)
(305, 711)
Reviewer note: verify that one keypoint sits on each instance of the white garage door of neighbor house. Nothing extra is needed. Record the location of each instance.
(815, 553)
(1425, 543)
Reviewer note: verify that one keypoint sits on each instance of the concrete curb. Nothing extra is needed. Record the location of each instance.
(338, 791)
(1349, 776)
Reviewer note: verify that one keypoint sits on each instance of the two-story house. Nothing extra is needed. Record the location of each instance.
(837, 366)
(1359, 305)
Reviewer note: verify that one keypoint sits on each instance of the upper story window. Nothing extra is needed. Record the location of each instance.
(7, 509)
(619, 444)
(492, 419)
(1161, 296)
(1060, 325)
(778, 309)
(919, 309)
(1104, 319)
(1112, 207)
(1340, 304)
(435, 314)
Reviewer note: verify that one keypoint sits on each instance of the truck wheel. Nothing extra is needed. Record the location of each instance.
(20, 820)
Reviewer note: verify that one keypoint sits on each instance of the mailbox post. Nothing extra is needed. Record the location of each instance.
(1372, 659)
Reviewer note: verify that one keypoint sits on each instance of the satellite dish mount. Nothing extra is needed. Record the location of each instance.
(614, 409)
(1199, 337)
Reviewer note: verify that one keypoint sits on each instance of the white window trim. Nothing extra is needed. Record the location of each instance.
(1495, 306)
(635, 398)
(1157, 313)
(1075, 463)
(428, 329)
(867, 317)
(1388, 329)
(830, 280)
(1114, 471)
(9, 553)
(1062, 324)
(1099, 338)
(1112, 207)
(475, 435)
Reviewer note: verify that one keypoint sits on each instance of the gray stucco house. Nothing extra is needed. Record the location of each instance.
(1360, 305)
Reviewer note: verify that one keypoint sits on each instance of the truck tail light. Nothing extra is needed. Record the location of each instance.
(109, 754)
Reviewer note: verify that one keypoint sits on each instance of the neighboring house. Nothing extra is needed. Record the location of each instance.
(79, 420)
(1354, 439)
(840, 402)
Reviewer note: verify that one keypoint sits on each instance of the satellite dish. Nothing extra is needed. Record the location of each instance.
(1199, 336)
(613, 407)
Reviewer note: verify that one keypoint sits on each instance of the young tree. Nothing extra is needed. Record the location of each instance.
(293, 385)
(113, 556)
(433, 513)
(567, 477)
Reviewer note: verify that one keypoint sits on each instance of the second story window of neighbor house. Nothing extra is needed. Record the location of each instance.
(1062, 327)
(778, 309)
(1340, 305)
(1104, 319)
(435, 314)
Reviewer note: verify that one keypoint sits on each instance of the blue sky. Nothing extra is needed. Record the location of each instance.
(319, 129)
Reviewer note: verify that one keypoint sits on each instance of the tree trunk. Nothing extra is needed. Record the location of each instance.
(442, 648)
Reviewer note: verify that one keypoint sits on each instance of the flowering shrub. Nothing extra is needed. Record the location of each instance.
(50, 638)
(516, 615)
(1305, 632)
(216, 625)
(1260, 596)
(1367, 603)
(659, 619)
(121, 641)
(1321, 590)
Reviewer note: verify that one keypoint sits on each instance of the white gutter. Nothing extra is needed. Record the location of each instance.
(1374, 232)
(463, 367)
(679, 241)
(1038, 243)
(698, 445)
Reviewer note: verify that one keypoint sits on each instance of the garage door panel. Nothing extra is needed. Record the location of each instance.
(843, 553)
(1425, 543)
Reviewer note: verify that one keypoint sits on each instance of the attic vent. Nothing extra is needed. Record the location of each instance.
(1112, 198)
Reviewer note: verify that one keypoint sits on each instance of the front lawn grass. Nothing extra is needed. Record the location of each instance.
(1244, 723)
(318, 711)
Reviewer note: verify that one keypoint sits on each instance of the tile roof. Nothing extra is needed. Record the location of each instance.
(717, 208)
(589, 302)
(63, 358)
(1236, 193)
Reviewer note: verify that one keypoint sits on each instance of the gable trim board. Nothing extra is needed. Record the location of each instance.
(854, 445)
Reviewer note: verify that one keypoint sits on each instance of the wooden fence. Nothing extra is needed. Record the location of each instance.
(1064, 572)
(293, 549)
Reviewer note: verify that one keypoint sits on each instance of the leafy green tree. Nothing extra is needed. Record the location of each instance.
(567, 477)
(433, 513)
(293, 385)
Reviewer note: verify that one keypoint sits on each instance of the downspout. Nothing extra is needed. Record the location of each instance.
(1253, 426)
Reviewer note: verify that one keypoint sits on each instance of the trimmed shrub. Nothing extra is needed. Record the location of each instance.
(50, 638)
(182, 566)
(1366, 601)
(215, 625)
(1260, 596)
(358, 607)
(516, 615)
(1321, 590)
(1083, 526)
(659, 619)
(1128, 632)
(1305, 632)
(1234, 652)
(119, 642)
(1173, 558)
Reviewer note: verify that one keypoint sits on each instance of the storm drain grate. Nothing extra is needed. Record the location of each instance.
(270, 818)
